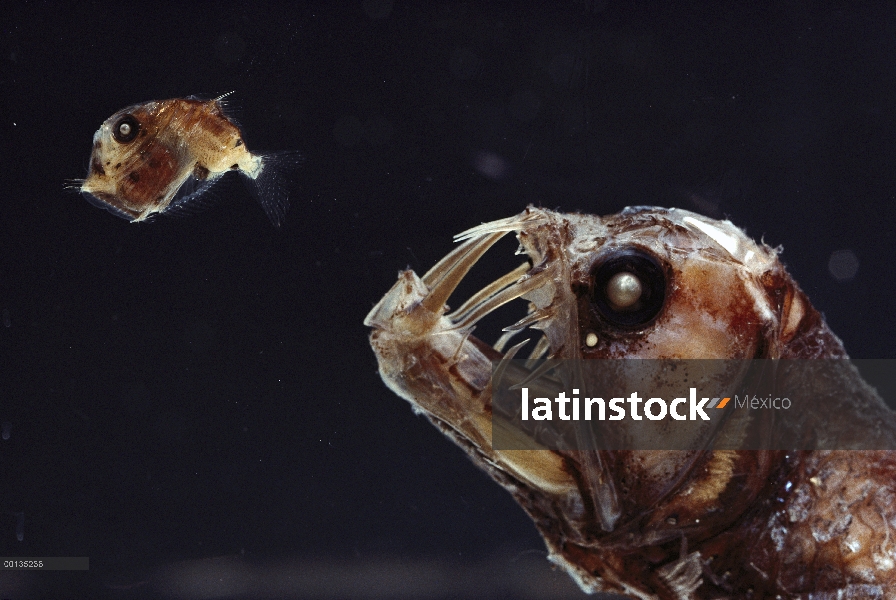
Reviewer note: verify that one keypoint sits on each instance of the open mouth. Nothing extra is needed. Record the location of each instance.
(420, 310)
(429, 357)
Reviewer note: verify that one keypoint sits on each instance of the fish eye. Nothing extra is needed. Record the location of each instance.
(628, 288)
(125, 129)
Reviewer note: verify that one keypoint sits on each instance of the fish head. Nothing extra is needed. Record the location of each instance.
(652, 283)
(133, 169)
(646, 283)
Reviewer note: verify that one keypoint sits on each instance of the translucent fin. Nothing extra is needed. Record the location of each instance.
(192, 189)
(231, 108)
(271, 184)
(192, 197)
(226, 103)
(99, 203)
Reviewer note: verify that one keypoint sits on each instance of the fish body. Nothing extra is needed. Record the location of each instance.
(161, 156)
(654, 283)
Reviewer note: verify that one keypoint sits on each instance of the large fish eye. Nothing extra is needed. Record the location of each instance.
(125, 129)
(628, 288)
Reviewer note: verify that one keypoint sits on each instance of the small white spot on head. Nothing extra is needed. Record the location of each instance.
(591, 339)
(843, 265)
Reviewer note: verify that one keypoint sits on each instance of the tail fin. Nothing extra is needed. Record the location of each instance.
(271, 184)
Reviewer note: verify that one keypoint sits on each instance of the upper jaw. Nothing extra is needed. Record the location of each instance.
(429, 357)
(415, 308)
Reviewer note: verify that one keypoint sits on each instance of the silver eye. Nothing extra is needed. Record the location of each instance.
(624, 290)
(125, 129)
(628, 288)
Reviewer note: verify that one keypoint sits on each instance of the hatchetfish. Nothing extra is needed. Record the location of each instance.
(163, 156)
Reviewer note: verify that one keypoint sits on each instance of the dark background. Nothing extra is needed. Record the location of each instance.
(193, 403)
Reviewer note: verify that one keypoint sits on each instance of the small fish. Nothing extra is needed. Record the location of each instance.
(655, 283)
(163, 156)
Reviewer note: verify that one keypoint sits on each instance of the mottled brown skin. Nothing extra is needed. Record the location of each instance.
(675, 525)
(177, 139)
